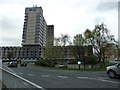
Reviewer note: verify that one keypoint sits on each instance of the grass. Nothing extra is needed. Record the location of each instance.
(82, 69)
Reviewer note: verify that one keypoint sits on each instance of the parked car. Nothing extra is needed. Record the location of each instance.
(117, 60)
(23, 64)
(62, 66)
(13, 64)
(114, 70)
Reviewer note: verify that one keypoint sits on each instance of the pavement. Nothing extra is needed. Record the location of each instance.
(54, 78)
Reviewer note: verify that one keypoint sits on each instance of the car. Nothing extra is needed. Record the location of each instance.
(117, 60)
(23, 64)
(13, 64)
(62, 66)
(114, 70)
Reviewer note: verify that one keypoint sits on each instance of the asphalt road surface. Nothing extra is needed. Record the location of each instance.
(54, 78)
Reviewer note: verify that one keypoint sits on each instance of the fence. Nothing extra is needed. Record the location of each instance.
(83, 66)
(11, 80)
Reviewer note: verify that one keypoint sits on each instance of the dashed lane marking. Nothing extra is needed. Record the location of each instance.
(30, 74)
(45, 75)
(62, 76)
(83, 77)
(108, 81)
(100, 79)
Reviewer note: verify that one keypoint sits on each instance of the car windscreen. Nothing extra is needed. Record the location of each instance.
(14, 62)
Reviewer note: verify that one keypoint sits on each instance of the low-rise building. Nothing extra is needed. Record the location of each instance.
(67, 52)
(24, 52)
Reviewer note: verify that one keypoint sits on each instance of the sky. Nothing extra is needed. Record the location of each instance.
(68, 17)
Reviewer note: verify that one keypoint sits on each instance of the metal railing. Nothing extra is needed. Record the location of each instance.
(11, 80)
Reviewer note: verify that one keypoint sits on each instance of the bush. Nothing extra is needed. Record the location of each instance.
(90, 60)
(46, 62)
(73, 61)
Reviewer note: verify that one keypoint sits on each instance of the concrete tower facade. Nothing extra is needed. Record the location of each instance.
(35, 27)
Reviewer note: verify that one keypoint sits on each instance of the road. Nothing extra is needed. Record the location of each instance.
(54, 78)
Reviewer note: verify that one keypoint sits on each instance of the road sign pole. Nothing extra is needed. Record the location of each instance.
(79, 66)
(79, 62)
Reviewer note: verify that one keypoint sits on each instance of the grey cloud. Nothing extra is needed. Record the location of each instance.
(10, 23)
(10, 41)
(10, 26)
(99, 20)
(105, 6)
(7, 23)
(6, 2)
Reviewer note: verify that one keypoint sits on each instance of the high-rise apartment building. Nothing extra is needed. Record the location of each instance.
(36, 35)
(35, 27)
(50, 35)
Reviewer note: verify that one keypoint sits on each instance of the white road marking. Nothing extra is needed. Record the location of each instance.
(24, 80)
(62, 76)
(45, 75)
(83, 77)
(102, 79)
(8, 69)
(30, 74)
(108, 81)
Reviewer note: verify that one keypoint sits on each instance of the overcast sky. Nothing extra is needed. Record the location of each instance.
(68, 17)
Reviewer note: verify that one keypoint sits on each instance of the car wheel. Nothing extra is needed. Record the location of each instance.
(111, 74)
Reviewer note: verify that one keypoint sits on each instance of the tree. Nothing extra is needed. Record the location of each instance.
(88, 37)
(57, 41)
(49, 54)
(10, 55)
(78, 40)
(99, 38)
(111, 51)
(119, 53)
(65, 39)
(78, 52)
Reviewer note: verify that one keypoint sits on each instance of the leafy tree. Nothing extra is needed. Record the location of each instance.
(63, 40)
(10, 55)
(78, 40)
(99, 38)
(57, 41)
(119, 53)
(49, 53)
(78, 52)
(111, 50)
